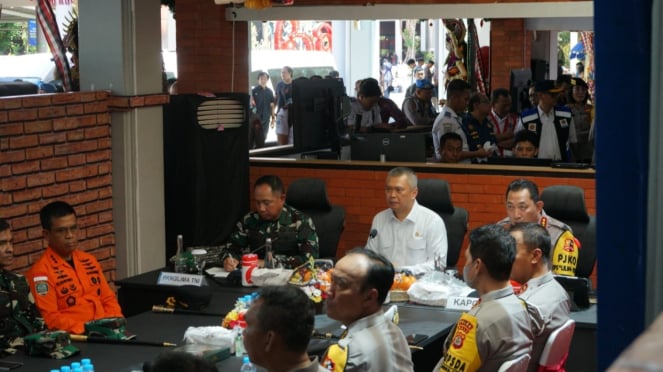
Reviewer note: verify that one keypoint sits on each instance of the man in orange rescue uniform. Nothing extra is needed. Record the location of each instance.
(68, 284)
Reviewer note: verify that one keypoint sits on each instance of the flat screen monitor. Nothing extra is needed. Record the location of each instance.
(407, 147)
(317, 113)
(533, 162)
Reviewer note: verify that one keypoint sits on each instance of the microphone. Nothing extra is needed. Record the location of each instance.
(373, 233)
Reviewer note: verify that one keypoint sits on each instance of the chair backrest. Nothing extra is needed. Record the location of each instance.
(435, 195)
(309, 195)
(516, 365)
(567, 204)
(556, 349)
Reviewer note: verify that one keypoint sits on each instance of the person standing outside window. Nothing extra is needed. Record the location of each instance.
(283, 102)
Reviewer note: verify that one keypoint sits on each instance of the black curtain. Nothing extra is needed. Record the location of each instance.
(206, 174)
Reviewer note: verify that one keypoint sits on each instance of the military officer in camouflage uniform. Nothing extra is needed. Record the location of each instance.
(292, 233)
(18, 314)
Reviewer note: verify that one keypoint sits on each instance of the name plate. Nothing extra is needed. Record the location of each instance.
(461, 303)
(179, 279)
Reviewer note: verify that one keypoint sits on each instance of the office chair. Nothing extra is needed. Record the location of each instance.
(567, 204)
(556, 349)
(516, 365)
(309, 195)
(434, 194)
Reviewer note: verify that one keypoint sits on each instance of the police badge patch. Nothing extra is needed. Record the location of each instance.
(531, 127)
(563, 123)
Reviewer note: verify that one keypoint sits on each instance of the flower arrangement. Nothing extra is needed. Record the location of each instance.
(314, 277)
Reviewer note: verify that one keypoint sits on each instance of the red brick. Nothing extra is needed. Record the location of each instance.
(75, 160)
(75, 135)
(104, 168)
(13, 183)
(22, 115)
(97, 182)
(58, 137)
(75, 147)
(77, 186)
(14, 210)
(54, 163)
(41, 179)
(65, 123)
(75, 173)
(28, 247)
(100, 205)
(75, 109)
(55, 190)
(35, 232)
(95, 107)
(25, 167)
(96, 132)
(39, 152)
(11, 129)
(88, 96)
(36, 101)
(7, 103)
(108, 240)
(84, 197)
(96, 156)
(159, 99)
(4, 117)
(104, 118)
(23, 141)
(66, 98)
(13, 156)
(87, 120)
(99, 230)
(52, 112)
(104, 143)
(26, 195)
(105, 192)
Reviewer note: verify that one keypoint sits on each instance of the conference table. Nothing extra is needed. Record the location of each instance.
(139, 293)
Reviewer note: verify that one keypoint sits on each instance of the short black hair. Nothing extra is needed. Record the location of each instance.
(53, 210)
(380, 274)
(263, 73)
(369, 87)
(457, 87)
(475, 99)
(497, 93)
(535, 236)
(522, 184)
(4, 225)
(179, 361)
(496, 248)
(411, 61)
(289, 312)
(272, 181)
(450, 136)
(526, 136)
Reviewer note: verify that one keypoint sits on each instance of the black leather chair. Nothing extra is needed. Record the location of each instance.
(434, 194)
(567, 204)
(309, 195)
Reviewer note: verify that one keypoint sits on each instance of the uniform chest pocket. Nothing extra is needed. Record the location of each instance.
(417, 249)
(286, 242)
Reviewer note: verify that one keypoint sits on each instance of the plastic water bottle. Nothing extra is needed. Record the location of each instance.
(247, 366)
(88, 368)
(75, 365)
(65, 369)
(269, 256)
(85, 361)
(239, 342)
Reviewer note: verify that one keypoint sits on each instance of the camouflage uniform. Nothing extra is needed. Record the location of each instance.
(18, 314)
(293, 235)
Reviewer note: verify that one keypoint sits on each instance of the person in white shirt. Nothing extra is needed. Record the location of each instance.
(552, 124)
(411, 236)
(450, 118)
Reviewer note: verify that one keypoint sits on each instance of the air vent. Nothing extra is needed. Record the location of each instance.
(221, 113)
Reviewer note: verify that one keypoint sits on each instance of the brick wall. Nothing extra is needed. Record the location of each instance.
(361, 192)
(510, 48)
(58, 147)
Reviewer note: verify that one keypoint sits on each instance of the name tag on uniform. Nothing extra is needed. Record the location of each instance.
(461, 303)
(178, 279)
